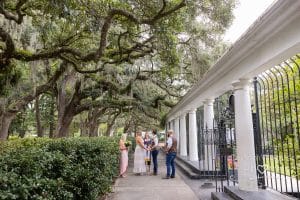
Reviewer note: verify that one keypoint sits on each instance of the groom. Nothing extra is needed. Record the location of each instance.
(171, 149)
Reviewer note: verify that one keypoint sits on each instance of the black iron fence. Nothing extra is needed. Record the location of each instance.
(187, 134)
(276, 118)
(278, 115)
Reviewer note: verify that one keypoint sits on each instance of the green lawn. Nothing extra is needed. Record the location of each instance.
(287, 167)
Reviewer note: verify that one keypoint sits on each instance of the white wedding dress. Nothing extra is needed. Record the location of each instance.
(139, 160)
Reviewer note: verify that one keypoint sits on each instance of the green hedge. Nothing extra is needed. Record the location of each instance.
(76, 168)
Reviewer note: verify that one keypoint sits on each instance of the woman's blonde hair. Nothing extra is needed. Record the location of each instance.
(123, 137)
(139, 133)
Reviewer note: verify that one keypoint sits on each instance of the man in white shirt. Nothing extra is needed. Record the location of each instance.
(171, 151)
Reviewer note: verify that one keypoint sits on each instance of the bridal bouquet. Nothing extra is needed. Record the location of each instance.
(127, 143)
(147, 161)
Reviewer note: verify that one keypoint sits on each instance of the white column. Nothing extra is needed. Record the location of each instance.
(176, 130)
(169, 126)
(244, 136)
(183, 148)
(209, 149)
(193, 147)
(208, 117)
(173, 124)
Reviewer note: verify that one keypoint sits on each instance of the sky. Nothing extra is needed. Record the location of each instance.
(246, 12)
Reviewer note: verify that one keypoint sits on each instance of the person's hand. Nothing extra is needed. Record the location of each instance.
(166, 150)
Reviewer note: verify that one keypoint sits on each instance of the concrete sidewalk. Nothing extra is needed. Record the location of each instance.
(151, 187)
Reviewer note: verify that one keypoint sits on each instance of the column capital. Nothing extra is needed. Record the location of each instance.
(192, 111)
(241, 84)
(182, 112)
(169, 119)
(208, 102)
(182, 116)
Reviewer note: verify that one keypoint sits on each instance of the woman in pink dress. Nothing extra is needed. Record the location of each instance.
(124, 156)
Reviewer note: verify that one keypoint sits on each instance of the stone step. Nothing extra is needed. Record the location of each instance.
(188, 165)
(186, 170)
(192, 172)
(220, 196)
(238, 194)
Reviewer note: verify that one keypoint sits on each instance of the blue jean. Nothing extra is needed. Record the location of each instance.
(154, 158)
(170, 157)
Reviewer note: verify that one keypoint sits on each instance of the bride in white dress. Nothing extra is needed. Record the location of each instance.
(139, 155)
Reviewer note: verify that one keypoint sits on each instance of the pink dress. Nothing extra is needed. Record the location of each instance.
(123, 157)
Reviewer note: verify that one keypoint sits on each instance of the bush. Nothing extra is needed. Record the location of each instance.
(76, 168)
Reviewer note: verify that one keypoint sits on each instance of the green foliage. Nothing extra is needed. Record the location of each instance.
(9, 79)
(286, 157)
(146, 59)
(78, 168)
(133, 142)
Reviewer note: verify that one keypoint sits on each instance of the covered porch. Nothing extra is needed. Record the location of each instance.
(228, 122)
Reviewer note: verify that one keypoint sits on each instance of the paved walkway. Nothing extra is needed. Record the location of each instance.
(151, 187)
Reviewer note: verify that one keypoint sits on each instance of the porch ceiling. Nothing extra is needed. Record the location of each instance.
(273, 38)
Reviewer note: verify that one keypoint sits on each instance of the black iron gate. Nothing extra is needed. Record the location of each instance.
(225, 172)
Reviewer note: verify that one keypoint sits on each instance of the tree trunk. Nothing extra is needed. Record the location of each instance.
(93, 129)
(93, 121)
(22, 133)
(83, 127)
(111, 131)
(5, 121)
(51, 123)
(63, 125)
(7, 117)
(64, 113)
(110, 125)
(127, 125)
(39, 127)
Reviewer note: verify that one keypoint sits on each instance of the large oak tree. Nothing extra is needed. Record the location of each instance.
(100, 52)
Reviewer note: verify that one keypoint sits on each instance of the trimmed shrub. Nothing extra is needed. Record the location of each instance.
(74, 168)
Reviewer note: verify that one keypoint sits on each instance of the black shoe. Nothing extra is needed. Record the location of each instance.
(166, 177)
(172, 176)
